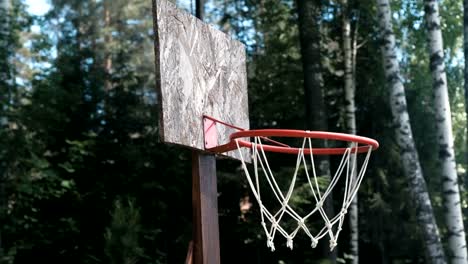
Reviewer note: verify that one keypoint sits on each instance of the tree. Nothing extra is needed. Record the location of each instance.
(14, 22)
(77, 153)
(4, 40)
(451, 191)
(465, 84)
(121, 237)
(465, 52)
(108, 29)
(404, 137)
(199, 8)
(309, 14)
(5, 90)
(349, 54)
(309, 28)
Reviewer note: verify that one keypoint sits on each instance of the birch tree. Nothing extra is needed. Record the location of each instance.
(465, 77)
(349, 50)
(404, 138)
(451, 193)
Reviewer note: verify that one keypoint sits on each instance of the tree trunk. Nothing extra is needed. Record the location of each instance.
(108, 41)
(404, 137)
(199, 8)
(309, 17)
(465, 50)
(4, 26)
(4, 43)
(451, 192)
(4, 78)
(350, 119)
(316, 119)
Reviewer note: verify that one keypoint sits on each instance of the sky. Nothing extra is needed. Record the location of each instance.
(37, 7)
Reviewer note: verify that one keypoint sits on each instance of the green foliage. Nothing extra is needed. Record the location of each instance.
(122, 237)
(75, 147)
(85, 180)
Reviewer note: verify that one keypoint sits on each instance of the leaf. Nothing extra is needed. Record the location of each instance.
(39, 162)
(67, 166)
(67, 184)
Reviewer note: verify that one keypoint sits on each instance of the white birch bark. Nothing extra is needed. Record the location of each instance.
(451, 193)
(350, 119)
(404, 138)
(465, 77)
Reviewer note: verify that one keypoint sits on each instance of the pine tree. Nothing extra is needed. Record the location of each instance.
(5, 83)
(309, 13)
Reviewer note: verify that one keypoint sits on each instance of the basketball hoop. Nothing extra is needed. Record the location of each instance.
(350, 172)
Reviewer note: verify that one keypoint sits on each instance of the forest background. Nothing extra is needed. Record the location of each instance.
(85, 179)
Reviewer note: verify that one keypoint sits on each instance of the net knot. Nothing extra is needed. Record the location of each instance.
(314, 242)
(274, 224)
(301, 223)
(271, 222)
(270, 244)
(343, 212)
(319, 204)
(289, 243)
(333, 244)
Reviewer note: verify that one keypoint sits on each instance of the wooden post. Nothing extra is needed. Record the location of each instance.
(205, 209)
(204, 200)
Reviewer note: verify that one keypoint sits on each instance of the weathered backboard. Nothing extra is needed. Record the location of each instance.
(199, 71)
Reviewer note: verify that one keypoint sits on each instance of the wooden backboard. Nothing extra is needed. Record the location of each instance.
(199, 71)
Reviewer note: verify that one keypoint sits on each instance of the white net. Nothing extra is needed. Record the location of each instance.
(347, 171)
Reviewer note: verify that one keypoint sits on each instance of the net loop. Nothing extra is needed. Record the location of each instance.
(332, 225)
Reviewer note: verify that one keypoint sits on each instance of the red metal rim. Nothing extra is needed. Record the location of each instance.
(364, 141)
